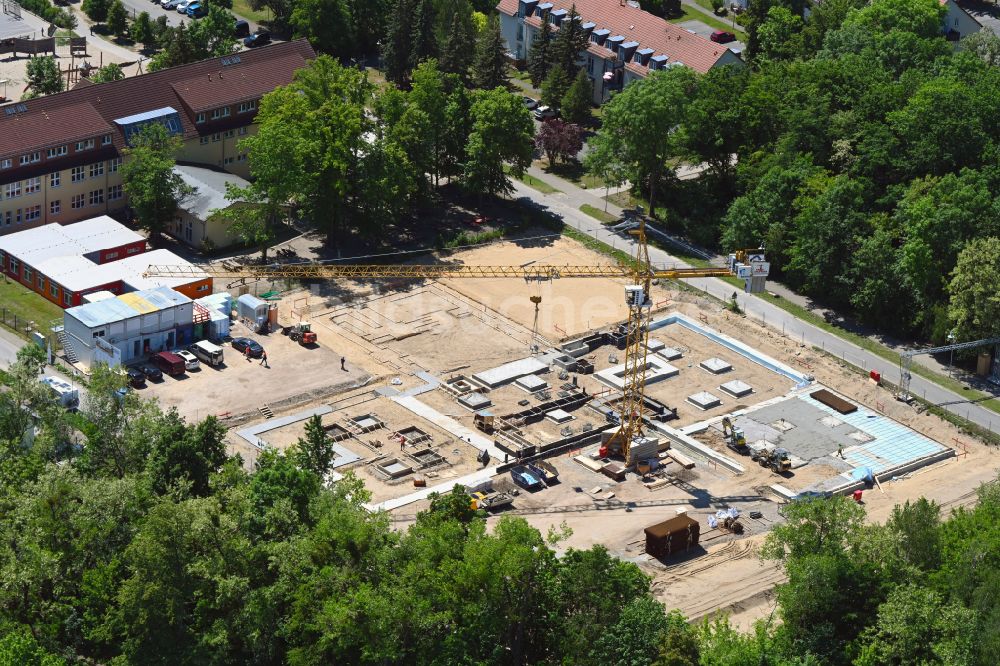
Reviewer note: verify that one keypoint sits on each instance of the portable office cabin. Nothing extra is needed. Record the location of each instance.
(252, 308)
(672, 536)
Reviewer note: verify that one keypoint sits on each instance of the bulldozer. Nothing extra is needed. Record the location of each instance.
(770, 456)
(735, 439)
(302, 333)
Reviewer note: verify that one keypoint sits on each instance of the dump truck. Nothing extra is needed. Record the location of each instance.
(489, 501)
(767, 455)
(546, 470)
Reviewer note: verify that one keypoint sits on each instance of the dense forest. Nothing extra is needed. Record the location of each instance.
(128, 537)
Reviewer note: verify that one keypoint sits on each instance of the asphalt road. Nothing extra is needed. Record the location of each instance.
(566, 205)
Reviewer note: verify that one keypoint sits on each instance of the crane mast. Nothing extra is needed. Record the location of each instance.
(750, 265)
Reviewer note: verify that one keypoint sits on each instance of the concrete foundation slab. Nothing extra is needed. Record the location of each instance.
(716, 365)
(475, 401)
(343, 456)
(655, 345)
(670, 353)
(657, 369)
(559, 416)
(736, 388)
(531, 383)
(508, 372)
(704, 400)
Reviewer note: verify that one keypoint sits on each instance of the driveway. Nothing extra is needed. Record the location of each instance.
(705, 30)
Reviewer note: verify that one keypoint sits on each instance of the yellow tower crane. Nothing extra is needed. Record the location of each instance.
(750, 265)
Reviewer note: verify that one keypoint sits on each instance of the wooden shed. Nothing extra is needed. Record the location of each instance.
(672, 536)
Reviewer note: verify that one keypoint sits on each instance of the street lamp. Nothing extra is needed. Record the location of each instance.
(951, 354)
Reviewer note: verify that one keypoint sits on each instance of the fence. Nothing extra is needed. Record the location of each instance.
(16, 323)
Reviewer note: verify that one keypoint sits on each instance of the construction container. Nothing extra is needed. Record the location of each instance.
(672, 536)
(253, 309)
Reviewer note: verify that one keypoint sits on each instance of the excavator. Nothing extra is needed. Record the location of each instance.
(735, 439)
(749, 265)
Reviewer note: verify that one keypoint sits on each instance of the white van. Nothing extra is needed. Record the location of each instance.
(207, 352)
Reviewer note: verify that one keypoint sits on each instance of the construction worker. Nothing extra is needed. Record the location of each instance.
(342, 361)
(263, 359)
(246, 352)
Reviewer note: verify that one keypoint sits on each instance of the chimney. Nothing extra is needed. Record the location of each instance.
(210, 76)
(220, 74)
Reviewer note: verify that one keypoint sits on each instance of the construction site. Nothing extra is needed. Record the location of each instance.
(674, 443)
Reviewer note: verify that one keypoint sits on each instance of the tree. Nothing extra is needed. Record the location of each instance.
(180, 47)
(921, 17)
(369, 19)
(117, 19)
(428, 94)
(310, 143)
(153, 187)
(501, 134)
(398, 47)
(423, 42)
(20, 647)
(918, 526)
(634, 639)
(489, 66)
(212, 34)
(453, 60)
(142, 31)
(780, 35)
(96, 10)
(636, 136)
(569, 43)
(579, 98)
(44, 77)
(538, 59)
(314, 450)
(680, 643)
(974, 308)
(559, 139)
(326, 24)
(184, 456)
(110, 72)
(554, 87)
(984, 44)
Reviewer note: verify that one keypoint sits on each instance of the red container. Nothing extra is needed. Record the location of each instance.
(857, 496)
(876, 375)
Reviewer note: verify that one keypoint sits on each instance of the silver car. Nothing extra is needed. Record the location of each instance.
(170, 4)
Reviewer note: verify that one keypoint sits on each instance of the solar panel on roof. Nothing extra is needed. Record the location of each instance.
(230, 60)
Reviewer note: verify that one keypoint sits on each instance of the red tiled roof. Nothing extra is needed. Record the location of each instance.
(48, 121)
(20, 132)
(635, 25)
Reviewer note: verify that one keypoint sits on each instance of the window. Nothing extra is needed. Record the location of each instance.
(96, 197)
(54, 289)
(248, 106)
(5, 163)
(590, 64)
(225, 112)
(228, 160)
(27, 274)
(14, 266)
(229, 134)
(242, 131)
(96, 169)
(33, 185)
(8, 216)
(58, 151)
(31, 158)
(67, 298)
(114, 192)
(132, 250)
(77, 201)
(55, 207)
(203, 140)
(41, 281)
(76, 175)
(114, 165)
(84, 145)
(106, 140)
(110, 256)
(216, 114)
(13, 190)
(55, 179)
(32, 213)
(17, 216)
(200, 118)
(216, 137)
(242, 157)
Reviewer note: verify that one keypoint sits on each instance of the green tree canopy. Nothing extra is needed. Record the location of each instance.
(501, 135)
(154, 189)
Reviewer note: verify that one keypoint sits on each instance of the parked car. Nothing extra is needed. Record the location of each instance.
(544, 113)
(259, 38)
(182, 7)
(190, 360)
(136, 378)
(170, 4)
(530, 103)
(151, 372)
(196, 10)
(241, 29)
(525, 478)
(169, 362)
(722, 37)
(241, 345)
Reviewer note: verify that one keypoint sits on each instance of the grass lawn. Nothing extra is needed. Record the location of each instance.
(242, 8)
(536, 183)
(598, 214)
(574, 172)
(717, 23)
(16, 299)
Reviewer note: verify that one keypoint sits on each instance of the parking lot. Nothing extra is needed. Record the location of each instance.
(240, 386)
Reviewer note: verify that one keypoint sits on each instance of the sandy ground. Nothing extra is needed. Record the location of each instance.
(457, 328)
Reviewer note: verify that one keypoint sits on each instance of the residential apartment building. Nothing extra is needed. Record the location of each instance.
(625, 44)
(61, 155)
